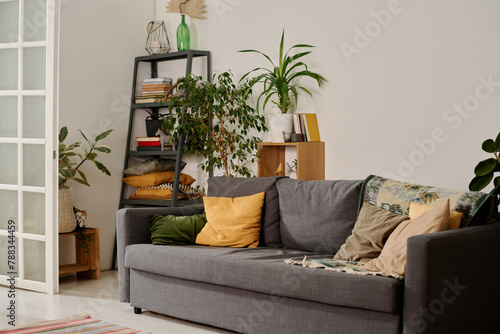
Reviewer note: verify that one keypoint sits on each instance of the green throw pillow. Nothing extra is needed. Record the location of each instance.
(176, 230)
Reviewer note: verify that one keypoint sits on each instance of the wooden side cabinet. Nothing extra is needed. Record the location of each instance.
(87, 263)
(310, 159)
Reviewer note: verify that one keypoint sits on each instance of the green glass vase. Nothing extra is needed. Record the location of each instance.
(183, 35)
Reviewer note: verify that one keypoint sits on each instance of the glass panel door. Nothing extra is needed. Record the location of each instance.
(28, 169)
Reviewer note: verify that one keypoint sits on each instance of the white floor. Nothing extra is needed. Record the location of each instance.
(98, 298)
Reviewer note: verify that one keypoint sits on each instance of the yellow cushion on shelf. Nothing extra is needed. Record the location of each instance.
(154, 179)
(232, 222)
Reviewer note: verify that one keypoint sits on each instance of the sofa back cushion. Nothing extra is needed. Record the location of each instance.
(221, 186)
(317, 216)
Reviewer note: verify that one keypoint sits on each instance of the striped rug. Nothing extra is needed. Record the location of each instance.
(81, 323)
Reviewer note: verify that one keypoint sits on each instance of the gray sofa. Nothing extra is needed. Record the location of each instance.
(450, 284)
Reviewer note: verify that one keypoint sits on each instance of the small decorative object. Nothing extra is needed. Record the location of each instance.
(486, 169)
(85, 240)
(192, 8)
(183, 35)
(157, 41)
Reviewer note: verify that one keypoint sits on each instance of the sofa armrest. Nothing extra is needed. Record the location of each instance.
(132, 227)
(451, 283)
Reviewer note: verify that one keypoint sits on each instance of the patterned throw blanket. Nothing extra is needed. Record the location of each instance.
(351, 267)
(396, 197)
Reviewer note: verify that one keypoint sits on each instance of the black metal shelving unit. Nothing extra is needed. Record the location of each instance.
(153, 60)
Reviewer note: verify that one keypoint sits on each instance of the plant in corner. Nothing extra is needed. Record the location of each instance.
(281, 80)
(217, 123)
(486, 169)
(70, 170)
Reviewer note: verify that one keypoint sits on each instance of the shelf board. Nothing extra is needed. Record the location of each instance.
(162, 202)
(142, 153)
(149, 105)
(173, 55)
(73, 268)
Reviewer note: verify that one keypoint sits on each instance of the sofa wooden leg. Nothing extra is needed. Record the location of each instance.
(137, 310)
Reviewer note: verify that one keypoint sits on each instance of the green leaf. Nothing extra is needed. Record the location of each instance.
(66, 173)
(497, 142)
(92, 156)
(83, 135)
(480, 182)
(63, 133)
(496, 181)
(102, 148)
(81, 181)
(102, 168)
(103, 135)
(489, 146)
(485, 167)
(82, 175)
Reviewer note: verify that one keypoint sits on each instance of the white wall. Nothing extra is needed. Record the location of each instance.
(99, 41)
(388, 108)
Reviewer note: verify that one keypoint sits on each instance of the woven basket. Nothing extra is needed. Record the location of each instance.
(67, 220)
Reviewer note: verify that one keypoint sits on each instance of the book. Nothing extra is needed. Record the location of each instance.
(149, 143)
(157, 80)
(153, 92)
(148, 148)
(149, 99)
(147, 139)
(311, 125)
(302, 127)
(296, 126)
(155, 86)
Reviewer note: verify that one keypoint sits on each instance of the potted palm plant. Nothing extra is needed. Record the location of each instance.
(281, 83)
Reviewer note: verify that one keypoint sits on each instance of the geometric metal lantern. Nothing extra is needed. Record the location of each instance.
(157, 41)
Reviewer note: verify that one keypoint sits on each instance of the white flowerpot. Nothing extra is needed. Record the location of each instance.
(279, 124)
(66, 215)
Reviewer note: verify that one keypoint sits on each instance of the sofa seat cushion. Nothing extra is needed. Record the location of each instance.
(262, 269)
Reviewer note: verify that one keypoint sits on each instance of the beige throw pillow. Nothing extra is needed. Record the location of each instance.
(372, 228)
(393, 256)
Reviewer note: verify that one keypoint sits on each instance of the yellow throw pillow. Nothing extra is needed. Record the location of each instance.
(232, 222)
(393, 255)
(154, 179)
(416, 209)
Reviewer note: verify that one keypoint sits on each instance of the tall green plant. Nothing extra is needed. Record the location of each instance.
(70, 170)
(486, 169)
(281, 82)
(217, 122)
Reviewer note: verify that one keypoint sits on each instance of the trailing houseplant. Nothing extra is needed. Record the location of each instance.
(486, 169)
(217, 123)
(71, 159)
(281, 80)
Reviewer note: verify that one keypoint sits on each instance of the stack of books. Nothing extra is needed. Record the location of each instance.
(148, 143)
(154, 90)
(153, 144)
(306, 124)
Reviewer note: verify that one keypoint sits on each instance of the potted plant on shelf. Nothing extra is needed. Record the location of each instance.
(217, 123)
(486, 169)
(70, 170)
(281, 83)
